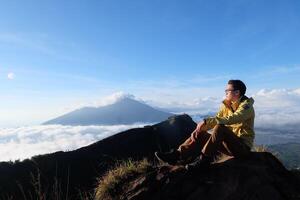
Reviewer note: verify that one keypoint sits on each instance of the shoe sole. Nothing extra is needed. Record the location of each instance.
(198, 168)
(158, 158)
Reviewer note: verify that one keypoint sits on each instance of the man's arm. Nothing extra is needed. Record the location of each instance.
(206, 124)
(210, 122)
(243, 112)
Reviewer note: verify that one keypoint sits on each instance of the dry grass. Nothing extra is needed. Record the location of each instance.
(260, 148)
(263, 148)
(38, 191)
(111, 183)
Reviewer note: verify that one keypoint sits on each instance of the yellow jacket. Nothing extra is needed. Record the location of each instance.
(238, 116)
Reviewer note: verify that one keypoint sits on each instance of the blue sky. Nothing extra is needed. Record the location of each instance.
(55, 55)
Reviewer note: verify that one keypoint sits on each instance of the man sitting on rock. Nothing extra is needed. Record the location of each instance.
(232, 131)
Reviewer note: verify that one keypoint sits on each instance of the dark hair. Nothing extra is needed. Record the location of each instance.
(238, 85)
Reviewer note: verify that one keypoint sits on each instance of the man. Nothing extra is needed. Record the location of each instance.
(232, 131)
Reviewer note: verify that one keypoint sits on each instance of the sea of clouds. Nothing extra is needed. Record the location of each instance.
(277, 121)
(24, 142)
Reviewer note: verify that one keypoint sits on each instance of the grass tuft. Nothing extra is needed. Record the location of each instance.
(260, 148)
(115, 179)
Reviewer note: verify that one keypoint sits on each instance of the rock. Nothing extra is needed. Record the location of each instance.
(261, 176)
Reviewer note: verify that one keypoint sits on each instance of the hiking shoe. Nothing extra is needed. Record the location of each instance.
(170, 157)
(201, 162)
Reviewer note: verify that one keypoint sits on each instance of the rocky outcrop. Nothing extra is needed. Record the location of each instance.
(261, 176)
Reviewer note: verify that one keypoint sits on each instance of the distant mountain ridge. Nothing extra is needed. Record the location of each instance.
(123, 111)
(288, 153)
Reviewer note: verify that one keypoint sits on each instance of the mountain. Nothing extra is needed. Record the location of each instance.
(79, 169)
(124, 111)
(260, 176)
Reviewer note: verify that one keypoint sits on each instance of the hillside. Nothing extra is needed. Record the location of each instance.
(260, 176)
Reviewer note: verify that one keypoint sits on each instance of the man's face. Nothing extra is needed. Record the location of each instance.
(231, 94)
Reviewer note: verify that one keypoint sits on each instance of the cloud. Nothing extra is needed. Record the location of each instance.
(24, 142)
(278, 98)
(111, 99)
(104, 101)
(193, 106)
(10, 76)
(277, 107)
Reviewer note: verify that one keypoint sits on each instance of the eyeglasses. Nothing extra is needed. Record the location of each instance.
(226, 91)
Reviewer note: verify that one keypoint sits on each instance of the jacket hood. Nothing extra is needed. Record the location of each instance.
(249, 101)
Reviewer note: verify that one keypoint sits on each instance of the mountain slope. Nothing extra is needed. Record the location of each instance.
(124, 111)
(260, 176)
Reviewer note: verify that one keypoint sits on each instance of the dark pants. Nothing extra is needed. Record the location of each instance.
(222, 140)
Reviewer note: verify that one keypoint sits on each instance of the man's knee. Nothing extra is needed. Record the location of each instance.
(197, 135)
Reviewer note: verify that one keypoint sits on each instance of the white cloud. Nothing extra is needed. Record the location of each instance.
(278, 98)
(24, 142)
(10, 76)
(104, 101)
(277, 107)
(113, 98)
(193, 106)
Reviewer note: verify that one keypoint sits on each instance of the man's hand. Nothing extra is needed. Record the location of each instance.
(200, 127)
(227, 102)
